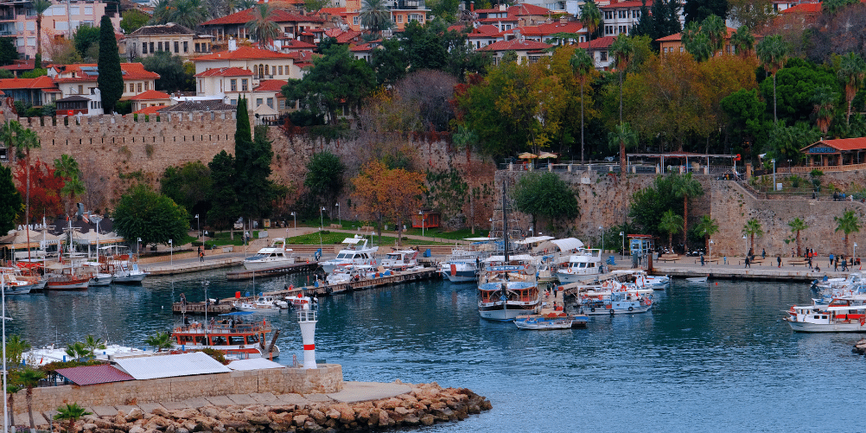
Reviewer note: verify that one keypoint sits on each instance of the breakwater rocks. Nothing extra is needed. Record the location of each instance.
(424, 405)
(860, 347)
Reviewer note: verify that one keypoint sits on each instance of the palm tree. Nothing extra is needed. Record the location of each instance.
(581, 64)
(188, 13)
(707, 227)
(375, 15)
(797, 225)
(30, 378)
(161, 12)
(772, 51)
(162, 340)
(92, 344)
(15, 348)
(622, 137)
(715, 28)
(753, 228)
(852, 70)
(622, 49)
(687, 187)
(671, 223)
(743, 41)
(77, 351)
(262, 27)
(70, 412)
(66, 167)
(40, 6)
(823, 99)
(848, 223)
(590, 18)
(13, 385)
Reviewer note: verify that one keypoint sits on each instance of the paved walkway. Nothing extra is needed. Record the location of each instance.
(734, 267)
(352, 392)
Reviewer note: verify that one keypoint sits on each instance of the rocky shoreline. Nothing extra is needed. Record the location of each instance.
(424, 405)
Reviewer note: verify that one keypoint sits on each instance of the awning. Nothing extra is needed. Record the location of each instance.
(94, 374)
(534, 239)
(186, 364)
(568, 244)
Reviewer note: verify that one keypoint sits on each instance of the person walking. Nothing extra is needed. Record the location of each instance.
(831, 260)
(748, 265)
(835, 265)
(725, 260)
(702, 259)
(779, 260)
(763, 253)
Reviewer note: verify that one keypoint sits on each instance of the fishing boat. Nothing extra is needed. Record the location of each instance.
(508, 288)
(273, 256)
(585, 265)
(615, 297)
(231, 334)
(400, 260)
(66, 276)
(356, 252)
(698, 280)
(464, 263)
(123, 266)
(17, 283)
(839, 316)
(551, 321)
(98, 274)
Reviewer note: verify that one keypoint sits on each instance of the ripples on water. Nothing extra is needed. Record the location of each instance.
(707, 358)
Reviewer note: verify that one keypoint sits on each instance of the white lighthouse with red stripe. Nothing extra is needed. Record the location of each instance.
(307, 321)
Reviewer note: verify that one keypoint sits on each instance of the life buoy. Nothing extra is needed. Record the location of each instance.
(611, 312)
(592, 309)
(630, 308)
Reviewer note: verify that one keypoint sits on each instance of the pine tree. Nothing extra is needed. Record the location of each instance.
(110, 80)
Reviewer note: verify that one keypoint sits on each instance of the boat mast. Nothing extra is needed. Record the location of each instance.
(504, 223)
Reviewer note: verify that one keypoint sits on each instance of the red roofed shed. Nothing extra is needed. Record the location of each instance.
(94, 374)
(843, 151)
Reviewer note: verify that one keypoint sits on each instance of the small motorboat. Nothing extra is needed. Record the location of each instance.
(698, 280)
(550, 321)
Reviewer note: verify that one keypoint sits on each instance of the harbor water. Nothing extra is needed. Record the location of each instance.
(712, 357)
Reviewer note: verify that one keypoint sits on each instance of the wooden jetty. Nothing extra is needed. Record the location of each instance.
(224, 306)
(272, 272)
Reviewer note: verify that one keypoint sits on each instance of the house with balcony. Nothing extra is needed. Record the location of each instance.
(151, 98)
(526, 50)
(674, 43)
(293, 25)
(172, 38)
(402, 12)
(620, 16)
(18, 20)
(599, 50)
(80, 79)
(80, 105)
(30, 91)
(497, 17)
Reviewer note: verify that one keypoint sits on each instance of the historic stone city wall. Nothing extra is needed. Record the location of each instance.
(327, 378)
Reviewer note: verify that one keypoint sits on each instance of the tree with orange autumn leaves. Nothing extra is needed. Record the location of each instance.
(45, 188)
(388, 194)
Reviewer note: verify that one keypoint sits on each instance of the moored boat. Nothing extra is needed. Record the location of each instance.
(550, 321)
(356, 253)
(840, 316)
(400, 259)
(272, 256)
(508, 288)
(464, 263)
(585, 265)
(231, 335)
(66, 276)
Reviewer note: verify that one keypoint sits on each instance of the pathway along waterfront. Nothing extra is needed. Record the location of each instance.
(707, 358)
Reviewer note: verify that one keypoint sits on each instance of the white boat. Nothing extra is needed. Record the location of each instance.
(400, 260)
(698, 280)
(97, 276)
(348, 274)
(658, 282)
(230, 334)
(464, 263)
(551, 321)
(263, 303)
(356, 253)
(583, 266)
(66, 276)
(823, 318)
(273, 256)
(19, 284)
(616, 298)
(508, 288)
(123, 266)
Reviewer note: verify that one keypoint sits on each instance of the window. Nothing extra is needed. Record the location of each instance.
(271, 102)
(399, 18)
(75, 10)
(233, 102)
(151, 48)
(131, 88)
(31, 42)
(196, 46)
(80, 89)
(139, 87)
(355, 20)
(234, 86)
(185, 46)
(88, 10)
(244, 83)
(603, 56)
(258, 102)
(31, 25)
(280, 68)
(282, 104)
(159, 46)
(176, 47)
(146, 84)
(144, 48)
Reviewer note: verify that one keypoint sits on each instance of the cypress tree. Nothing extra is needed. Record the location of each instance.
(243, 132)
(110, 80)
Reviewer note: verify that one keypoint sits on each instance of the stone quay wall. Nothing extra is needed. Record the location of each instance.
(327, 378)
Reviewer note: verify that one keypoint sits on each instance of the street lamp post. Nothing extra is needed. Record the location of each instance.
(339, 217)
(747, 245)
(490, 235)
(622, 251)
(171, 252)
(422, 222)
(322, 218)
(198, 227)
(295, 218)
(601, 229)
(711, 248)
(855, 251)
(774, 173)
(137, 247)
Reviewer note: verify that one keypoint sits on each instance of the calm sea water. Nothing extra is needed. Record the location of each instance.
(707, 358)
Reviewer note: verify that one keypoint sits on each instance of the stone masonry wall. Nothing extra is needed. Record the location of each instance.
(327, 378)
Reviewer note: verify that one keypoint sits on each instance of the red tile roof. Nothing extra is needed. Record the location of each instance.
(676, 37)
(500, 20)
(150, 94)
(516, 45)
(804, 8)
(43, 82)
(484, 31)
(132, 71)
(294, 44)
(94, 374)
(302, 56)
(225, 72)
(843, 144)
(348, 36)
(277, 16)
(524, 9)
(597, 44)
(243, 53)
(271, 86)
(551, 28)
(150, 110)
(20, 65)
(360, 48)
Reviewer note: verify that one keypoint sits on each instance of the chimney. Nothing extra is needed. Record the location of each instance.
(501, 7)
(563, 20)
(233, 44)
(472, 6)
